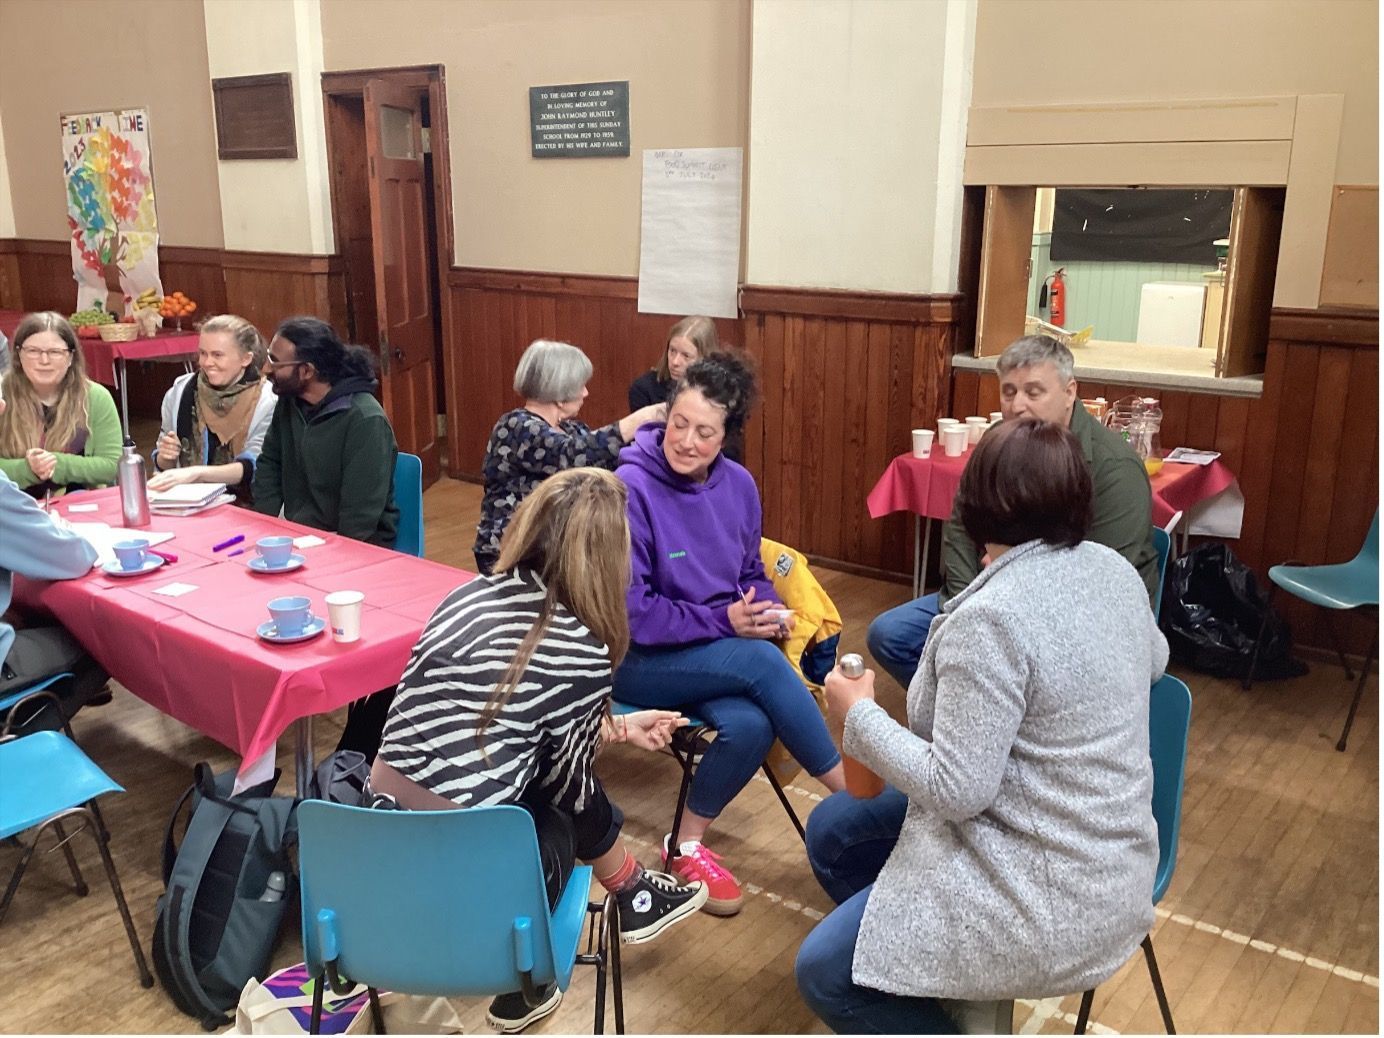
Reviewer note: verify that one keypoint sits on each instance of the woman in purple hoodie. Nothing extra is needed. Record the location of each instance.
(703, 615)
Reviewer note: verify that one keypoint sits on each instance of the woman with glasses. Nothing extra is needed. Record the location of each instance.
(60, 430)
(214, 421)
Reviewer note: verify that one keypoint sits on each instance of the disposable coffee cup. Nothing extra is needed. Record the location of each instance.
(942, 425)
(954, 441)
(975, 428)
(343, 612)
(290, 613)
(922, 443)
(275, 551)
(996, 416)
(131, 553)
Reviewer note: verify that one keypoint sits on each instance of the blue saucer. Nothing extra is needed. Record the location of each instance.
(260, 566)
(151, 563)
(315, 626)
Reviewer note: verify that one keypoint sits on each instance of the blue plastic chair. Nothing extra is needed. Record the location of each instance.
(1170, 718)
(447, 903)
(48, 780)
(33, 696)
(1162, 546)
(408, 495)
(1345, 585)
(687, 745)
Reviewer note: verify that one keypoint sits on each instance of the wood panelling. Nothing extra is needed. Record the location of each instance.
(844, 376)
(263, 287)
(1305, 452)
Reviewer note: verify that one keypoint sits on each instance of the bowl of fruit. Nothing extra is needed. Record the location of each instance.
(177, 306)
(88, 322)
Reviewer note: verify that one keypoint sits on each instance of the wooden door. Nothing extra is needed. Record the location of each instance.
(403, 289)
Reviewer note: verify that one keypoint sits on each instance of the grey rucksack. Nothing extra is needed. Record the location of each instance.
(227, 887)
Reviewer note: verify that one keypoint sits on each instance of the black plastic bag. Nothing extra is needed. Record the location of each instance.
(1212, 612)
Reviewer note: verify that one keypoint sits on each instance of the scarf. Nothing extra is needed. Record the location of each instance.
(226, 412)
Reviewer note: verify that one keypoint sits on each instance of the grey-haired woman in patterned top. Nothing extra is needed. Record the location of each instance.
(543, 437)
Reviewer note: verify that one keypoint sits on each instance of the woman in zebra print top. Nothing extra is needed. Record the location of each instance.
(506, 701)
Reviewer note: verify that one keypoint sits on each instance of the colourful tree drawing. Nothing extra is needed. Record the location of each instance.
(110, 203)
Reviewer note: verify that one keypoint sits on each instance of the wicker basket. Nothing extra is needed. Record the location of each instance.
(118, 332)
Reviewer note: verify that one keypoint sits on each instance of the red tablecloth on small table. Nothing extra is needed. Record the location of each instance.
(197, 658)
(100, 356)
(926, 486)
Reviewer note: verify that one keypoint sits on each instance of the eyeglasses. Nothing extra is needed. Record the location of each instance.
(284, 363)
(41, 354)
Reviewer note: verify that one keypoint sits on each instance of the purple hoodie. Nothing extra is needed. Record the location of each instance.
(694, 547)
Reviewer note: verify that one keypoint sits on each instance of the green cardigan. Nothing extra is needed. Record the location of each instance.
(1122, 507)
(96, 465)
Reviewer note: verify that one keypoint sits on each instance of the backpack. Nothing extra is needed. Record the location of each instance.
(217, 920)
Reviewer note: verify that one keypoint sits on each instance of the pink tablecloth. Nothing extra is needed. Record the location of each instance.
(196, 657)
(926, 486)
(100, 355)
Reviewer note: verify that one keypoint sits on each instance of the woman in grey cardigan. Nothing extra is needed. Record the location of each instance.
(1013, 852)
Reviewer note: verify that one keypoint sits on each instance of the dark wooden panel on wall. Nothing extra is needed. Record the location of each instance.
(844, 376)
(266, 287)
(1305, 452)
(497, 313)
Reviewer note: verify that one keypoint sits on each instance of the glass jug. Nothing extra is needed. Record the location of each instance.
(1137, 420)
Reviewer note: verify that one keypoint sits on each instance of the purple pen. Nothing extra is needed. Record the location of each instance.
(238, 551)
(228, 542)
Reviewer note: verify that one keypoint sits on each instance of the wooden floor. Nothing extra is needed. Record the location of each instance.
(1271, 924)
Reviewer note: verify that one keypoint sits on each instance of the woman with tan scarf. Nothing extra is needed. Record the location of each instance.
(214, 421)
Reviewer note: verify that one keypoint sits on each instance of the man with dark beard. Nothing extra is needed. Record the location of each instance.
(328, 458)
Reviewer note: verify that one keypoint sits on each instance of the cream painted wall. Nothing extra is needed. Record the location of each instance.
(1100, 51)
(162, 66)
(687, 62)
(6, 205)
(274, 205)
(845, 125)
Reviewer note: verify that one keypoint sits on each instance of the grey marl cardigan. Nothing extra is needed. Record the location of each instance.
(1026, 861)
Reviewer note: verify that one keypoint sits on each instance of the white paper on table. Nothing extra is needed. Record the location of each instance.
(82, 508)
(175, 589)
(308, 540)
(1191, 456)
(103, 537)
(689, 240)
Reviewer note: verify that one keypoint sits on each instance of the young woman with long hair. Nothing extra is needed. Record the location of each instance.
(60, 430)
(506, 700)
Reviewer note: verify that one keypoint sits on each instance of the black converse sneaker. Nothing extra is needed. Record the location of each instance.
(510, 1014)
(654, 903)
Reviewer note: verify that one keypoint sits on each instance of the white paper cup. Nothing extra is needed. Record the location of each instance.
(996, 416)
(922, 443)
(942, 425)
(954, 440)
(343, 611)
(975, 428)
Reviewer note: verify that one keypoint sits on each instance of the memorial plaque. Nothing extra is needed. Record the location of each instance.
(580, 120)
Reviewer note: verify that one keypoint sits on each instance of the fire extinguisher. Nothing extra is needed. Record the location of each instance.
(1053, 297)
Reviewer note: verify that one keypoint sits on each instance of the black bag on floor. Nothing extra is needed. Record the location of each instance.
(227, 888)
(1212, 613)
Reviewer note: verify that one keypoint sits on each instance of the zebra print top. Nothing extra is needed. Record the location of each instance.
(544, 737)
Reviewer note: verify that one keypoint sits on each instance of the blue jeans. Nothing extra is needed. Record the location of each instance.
(897, 635)
(849, 840)
(746, 690)
(824, 979)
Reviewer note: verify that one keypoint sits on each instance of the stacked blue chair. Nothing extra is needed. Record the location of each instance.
(408, 495)
(1170, 718)
(48, 780)
(448, 903)
(1350, 586)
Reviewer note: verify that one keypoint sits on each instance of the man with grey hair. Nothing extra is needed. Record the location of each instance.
(1036, 380)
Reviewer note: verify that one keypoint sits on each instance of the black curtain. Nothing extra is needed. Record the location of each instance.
(1148, 226)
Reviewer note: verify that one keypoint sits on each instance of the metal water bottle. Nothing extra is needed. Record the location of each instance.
(134, 497)
(861, 782)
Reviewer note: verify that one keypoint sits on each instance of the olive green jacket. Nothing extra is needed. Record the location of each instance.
(1123, 509)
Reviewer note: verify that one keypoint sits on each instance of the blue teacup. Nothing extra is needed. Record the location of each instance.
(131, 553)
(275, 551)
(290, 614)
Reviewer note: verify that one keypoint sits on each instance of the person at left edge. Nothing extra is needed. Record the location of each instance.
(328, 458)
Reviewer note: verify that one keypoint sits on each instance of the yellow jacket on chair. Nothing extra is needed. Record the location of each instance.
(815, 620)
